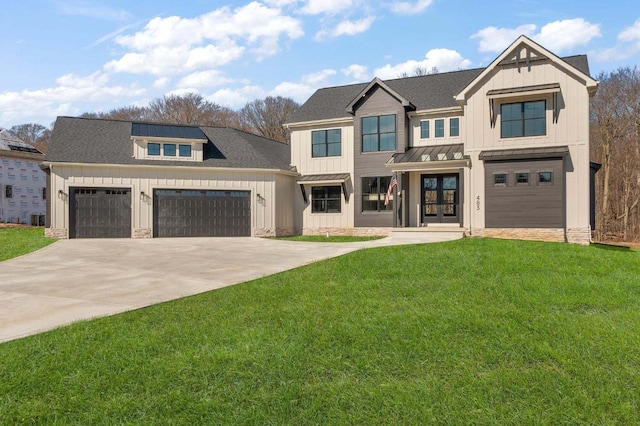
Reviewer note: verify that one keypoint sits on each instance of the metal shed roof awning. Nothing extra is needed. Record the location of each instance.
(326, 179)
(322, 179)
(524, 90)
(524, 153)
(167, 131)
(429, 157)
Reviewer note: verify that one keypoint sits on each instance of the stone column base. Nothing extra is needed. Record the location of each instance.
(57, 233)
(141, 233)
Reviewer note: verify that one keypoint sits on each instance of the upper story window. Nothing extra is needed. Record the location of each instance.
(454, 127)
(439, 128)
(424, 129)
(523, 119)
(169, 150)
(8, 191)
(153, 148)
(326, 143)
(379, 133)
(184, 150)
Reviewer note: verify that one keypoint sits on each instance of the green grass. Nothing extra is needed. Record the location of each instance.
(330, 238)
(475, 331)
(18, 241)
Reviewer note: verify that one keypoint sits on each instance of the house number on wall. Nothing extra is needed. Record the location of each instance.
(478, 202)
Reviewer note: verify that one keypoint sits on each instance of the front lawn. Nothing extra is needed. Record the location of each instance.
(475, 331)
(17, 241)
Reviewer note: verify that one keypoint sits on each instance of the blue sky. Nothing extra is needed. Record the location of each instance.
(65, 57)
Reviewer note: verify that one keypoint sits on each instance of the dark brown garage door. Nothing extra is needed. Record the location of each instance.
(100, 213)
(524, 194)
(193, 213)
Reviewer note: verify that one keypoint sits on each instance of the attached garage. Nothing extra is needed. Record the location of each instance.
(524, 193)
(100, 213)
(195, 213)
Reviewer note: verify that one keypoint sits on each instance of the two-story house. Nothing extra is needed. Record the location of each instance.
(496, 151)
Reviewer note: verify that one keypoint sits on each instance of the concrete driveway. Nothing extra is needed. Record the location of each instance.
(74, 280)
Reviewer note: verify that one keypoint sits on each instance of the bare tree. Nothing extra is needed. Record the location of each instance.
(266, 117)
(34, 134)
(615, 136)
(418, 71)
(191, 108)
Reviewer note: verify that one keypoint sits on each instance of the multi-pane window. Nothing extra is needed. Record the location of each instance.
(184, 150)
(424, 129)
(169, 149)
(523, 119)
(454, 127)
(522, 178)
(326, 199)
(379, 133)
(439, 128)
(153, 148)
(326, 143)
(374, 190)
(500, 179)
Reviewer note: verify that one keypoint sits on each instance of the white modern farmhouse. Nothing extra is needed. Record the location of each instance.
(497, 151)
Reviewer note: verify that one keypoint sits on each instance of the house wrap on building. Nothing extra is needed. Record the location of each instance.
(22, 182)
(497, 151)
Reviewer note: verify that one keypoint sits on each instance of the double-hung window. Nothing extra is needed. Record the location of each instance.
(374, 190)
(454, 127)
(440, 128)
(424, 129)
(379, 133)
(326, 143)
(523, 119)
(326, 199)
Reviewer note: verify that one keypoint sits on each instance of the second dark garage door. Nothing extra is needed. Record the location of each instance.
(196, 213)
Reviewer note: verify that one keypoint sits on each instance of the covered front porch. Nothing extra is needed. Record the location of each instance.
(430, 191)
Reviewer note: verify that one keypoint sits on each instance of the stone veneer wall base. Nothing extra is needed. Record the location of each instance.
(141, 233)
(531, 234)
(57, 233)
(352, 232)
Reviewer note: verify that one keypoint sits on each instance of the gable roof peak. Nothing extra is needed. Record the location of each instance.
(379, 83)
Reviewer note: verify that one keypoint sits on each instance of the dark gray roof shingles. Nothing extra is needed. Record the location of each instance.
(425, 92)
(100, 141)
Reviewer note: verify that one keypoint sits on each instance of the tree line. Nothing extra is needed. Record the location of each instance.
(615, 143)
(264, 117)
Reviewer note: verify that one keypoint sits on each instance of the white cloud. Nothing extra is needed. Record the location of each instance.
(90, 10)
(631, 33)
(410, 8)
(299, 92)
(209, 78)
(561, 36)
(494, 39)
(331, 7)
(319, 77)
(441, 59)
(237, 98)
(357, 72)
(166, 46)
(161, 82)
(62, 99)
(557, 36)
(347, 28)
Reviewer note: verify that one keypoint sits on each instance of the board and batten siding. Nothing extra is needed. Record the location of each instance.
(301, 157)
(265, 218)
(368, 164)
(571, 129)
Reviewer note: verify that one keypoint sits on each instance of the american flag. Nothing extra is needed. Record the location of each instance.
(392, 184)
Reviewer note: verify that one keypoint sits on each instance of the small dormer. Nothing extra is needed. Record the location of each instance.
(167, 142)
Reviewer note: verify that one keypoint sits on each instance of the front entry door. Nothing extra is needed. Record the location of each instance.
(440, 198)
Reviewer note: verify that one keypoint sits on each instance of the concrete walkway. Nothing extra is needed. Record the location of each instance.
(74, 280)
